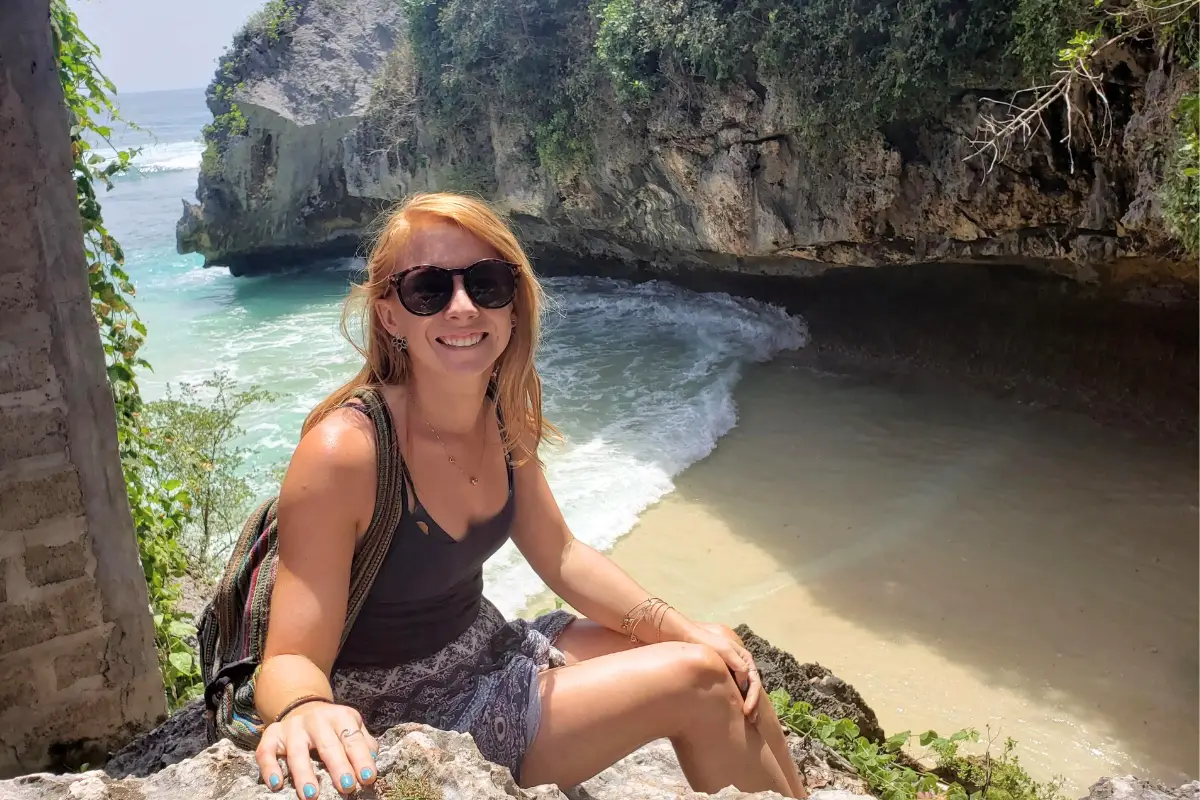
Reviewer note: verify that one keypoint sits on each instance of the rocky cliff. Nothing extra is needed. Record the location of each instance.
(708, 176)
(420, 763)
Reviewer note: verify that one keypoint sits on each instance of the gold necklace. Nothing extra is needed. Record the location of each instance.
(474, 481)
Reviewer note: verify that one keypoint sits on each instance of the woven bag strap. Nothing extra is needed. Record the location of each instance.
(390, 500)
(227, 604)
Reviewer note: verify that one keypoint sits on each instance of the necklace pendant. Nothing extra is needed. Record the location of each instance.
(452, 461)
(474, 481)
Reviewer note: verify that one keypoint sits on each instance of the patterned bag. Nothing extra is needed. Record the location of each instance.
(233, 627)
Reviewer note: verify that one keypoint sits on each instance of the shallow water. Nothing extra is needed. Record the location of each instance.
(962, 561)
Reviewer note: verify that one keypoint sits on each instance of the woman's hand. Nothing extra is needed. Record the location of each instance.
(739, 661)
(338, 736)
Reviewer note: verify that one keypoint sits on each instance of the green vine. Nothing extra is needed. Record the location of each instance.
(159, 511)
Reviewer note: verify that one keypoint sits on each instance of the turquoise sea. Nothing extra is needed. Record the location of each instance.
(639, 377)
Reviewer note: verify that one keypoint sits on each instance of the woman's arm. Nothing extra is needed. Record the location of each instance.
(586, 579)
(599, 589)
(324, 504)
(329, 483)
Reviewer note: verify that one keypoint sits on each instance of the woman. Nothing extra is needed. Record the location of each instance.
(450, 314)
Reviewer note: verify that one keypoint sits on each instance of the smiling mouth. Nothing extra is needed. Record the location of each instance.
(470, 340)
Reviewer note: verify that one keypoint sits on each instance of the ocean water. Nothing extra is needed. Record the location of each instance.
(639, 378)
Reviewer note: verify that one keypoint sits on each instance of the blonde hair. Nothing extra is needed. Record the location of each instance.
(519, 386)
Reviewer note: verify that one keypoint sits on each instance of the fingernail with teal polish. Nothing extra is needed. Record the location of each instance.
(366, 773)
(274, 781)
(310, 790)
(374, 756)
(347, 781)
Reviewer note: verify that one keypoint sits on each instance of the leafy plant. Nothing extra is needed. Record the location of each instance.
(561, 148)
(996, 777)
(1041, 27)
(273, 21)
(892, 775)
(159, 511)
(196, 429)
(1181, 181)
(878, 764)
(174, 638)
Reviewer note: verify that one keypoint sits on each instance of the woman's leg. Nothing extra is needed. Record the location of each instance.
(769, 725)
(597, 711)
(584, 639)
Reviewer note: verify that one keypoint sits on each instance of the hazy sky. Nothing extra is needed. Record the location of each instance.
(147, 45)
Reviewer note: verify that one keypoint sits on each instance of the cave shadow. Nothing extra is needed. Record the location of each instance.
(1047, 508)
(1067, 574)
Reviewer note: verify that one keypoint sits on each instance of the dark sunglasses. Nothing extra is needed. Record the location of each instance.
(426, 290)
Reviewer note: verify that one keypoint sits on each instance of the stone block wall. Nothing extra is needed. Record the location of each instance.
(78, 672)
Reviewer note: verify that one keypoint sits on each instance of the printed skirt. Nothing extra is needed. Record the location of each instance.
(484, 683)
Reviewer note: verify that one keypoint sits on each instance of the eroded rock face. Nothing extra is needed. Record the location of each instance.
(1130, 788)
(182, 736)
(730, 188)
(442, 764)
(174, 759)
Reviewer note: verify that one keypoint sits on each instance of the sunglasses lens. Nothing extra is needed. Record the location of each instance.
(491, 283)
(426, 290)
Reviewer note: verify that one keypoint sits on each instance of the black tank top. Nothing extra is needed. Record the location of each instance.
(429, 587)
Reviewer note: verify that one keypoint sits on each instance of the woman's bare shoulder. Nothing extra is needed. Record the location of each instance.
(333, 469)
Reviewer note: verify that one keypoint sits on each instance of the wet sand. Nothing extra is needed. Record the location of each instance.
(964, 561)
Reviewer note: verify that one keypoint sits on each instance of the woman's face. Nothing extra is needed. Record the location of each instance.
(463, 338)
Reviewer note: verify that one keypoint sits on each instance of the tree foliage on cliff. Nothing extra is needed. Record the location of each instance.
(525, 59)
(1181, 187)
(1074, 88)
(840, 68)
(849, 66)
(159, 509)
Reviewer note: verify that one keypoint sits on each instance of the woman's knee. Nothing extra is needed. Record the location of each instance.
(696, 669)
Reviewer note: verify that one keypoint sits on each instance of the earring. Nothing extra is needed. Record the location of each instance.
(400, 343)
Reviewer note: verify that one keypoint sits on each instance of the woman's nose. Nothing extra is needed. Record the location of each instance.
(460, 302)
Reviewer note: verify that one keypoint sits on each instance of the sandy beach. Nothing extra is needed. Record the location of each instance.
(964, 561)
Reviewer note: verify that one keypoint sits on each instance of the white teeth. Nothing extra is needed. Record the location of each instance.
(461, 341)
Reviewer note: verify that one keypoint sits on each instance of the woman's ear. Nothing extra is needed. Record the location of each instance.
(388, 317)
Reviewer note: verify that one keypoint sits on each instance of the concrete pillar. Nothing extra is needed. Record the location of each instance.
(78, 672)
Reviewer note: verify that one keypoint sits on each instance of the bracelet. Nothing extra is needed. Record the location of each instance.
(308, 698)
(653, 607)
